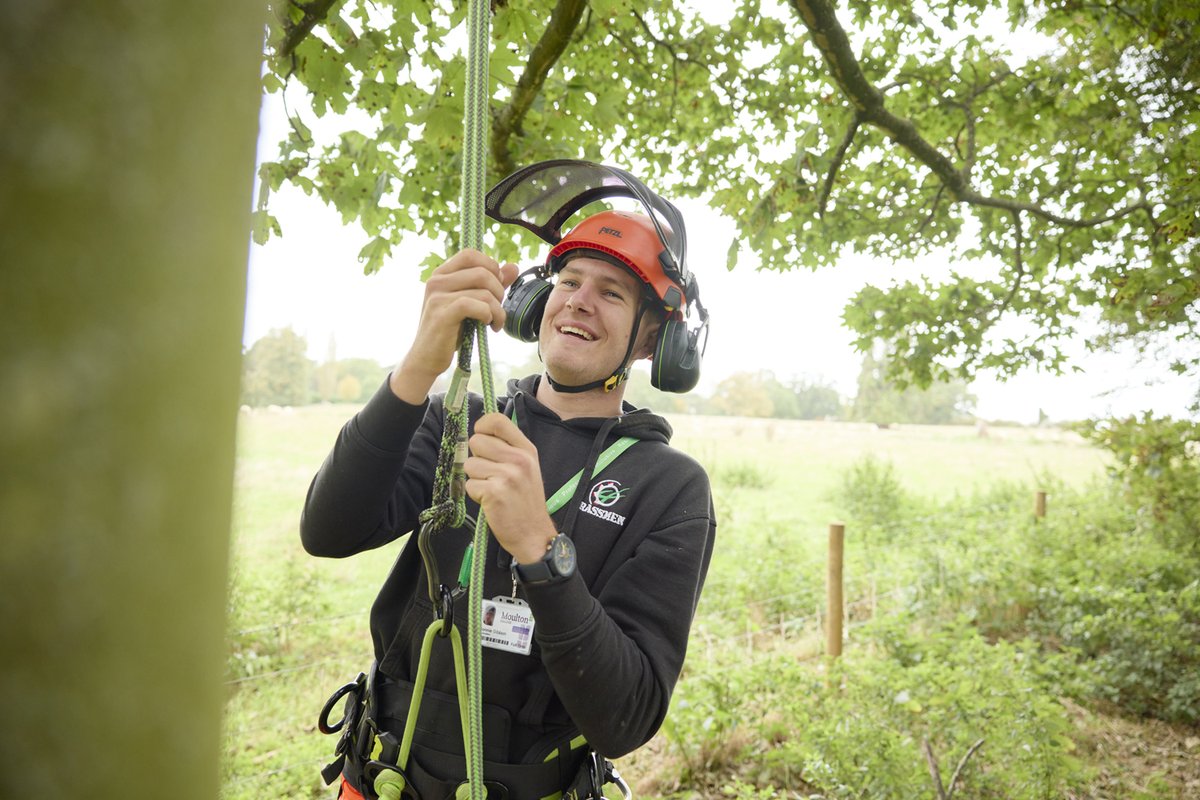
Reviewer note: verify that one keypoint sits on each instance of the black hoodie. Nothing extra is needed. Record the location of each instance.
(609, 642)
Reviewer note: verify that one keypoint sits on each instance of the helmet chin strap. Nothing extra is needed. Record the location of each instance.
(619, 376)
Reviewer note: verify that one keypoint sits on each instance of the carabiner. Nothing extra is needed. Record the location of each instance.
(354, 687)
(432, 578)
(445, 610)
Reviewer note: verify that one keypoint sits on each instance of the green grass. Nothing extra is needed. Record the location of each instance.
(298, 625)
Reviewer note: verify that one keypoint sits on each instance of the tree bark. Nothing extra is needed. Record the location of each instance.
(127, 152)
(563, 21)
(314, 13)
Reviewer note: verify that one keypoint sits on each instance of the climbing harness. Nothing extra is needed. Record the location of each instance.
(380, 760)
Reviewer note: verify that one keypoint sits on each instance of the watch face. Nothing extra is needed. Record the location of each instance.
(563, 553)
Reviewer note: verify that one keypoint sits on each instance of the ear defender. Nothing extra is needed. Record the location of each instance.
(676, 363)
(524, 303)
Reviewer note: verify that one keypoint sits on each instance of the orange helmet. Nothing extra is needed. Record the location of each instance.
(630, 239)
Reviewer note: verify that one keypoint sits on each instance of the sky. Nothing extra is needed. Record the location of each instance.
(310, 280)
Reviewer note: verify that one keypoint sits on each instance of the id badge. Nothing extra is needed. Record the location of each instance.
(507, 625)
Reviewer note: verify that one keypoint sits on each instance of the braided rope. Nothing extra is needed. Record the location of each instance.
(448, 506)
(474, 175)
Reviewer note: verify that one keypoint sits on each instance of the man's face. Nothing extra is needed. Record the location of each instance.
(588, 320)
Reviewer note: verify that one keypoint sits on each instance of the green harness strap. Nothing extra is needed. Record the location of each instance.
(559, 498)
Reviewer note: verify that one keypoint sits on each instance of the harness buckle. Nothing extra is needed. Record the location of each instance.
(601, 771)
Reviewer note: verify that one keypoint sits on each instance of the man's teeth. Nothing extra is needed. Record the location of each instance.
(578, 332)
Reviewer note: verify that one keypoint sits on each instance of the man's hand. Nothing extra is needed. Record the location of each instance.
(505, 478)
(470, 285)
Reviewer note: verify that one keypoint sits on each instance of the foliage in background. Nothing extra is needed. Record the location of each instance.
(858, 729)
(276, 370)
(885, 399)
(1121, 606)
(761, 394)
(1157, 462)
(988, 619)
(1046, 148)
(750, 680)
(877, 509)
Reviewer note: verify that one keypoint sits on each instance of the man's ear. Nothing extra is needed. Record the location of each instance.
(647, 335)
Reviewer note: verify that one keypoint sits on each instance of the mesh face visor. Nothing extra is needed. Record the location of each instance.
(543, 196)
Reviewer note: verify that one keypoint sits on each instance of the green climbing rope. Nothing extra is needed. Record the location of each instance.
(474, 176)
(448, 508)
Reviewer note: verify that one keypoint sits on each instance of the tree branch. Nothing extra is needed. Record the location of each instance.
(968, 158)
(962, 762)
(294, 33)
(1018, 262)
(947, 793)
(838, 157)
(934, 772)
(820, 18)
(507, 121)
(674, 59)
(933, 206)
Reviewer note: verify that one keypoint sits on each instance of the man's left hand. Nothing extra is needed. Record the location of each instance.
(505, 478)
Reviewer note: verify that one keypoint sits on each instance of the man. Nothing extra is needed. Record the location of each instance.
(610, 604)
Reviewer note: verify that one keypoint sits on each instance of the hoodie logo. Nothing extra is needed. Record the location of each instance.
(601, 498)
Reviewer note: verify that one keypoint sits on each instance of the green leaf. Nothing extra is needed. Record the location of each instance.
(263, 225)
(373, 253)
(430, 263)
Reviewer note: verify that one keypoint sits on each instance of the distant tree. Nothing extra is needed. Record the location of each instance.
(349, 389)
(785, 404)
(743, 394)
(882, 400)
(325, 376)
(325, 381)
(816, 400)
(277, 371)
(640, 393)
(367, 372)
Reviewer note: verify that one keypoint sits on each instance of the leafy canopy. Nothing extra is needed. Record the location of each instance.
(1060, 181)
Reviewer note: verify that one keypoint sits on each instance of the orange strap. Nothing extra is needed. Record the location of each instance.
(348, 792)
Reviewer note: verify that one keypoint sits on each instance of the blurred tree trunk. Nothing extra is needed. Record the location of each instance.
(127, 156)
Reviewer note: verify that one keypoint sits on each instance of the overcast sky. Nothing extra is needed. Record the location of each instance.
(789, 323)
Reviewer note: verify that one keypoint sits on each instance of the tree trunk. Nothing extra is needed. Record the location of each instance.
(126, 166)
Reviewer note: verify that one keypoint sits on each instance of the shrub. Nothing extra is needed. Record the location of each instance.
(1139, 645)
(873, 500)
(1157, 463)
(859, 729)
(741, 476)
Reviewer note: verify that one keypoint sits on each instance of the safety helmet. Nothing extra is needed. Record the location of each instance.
(630, 239)
(653, 246)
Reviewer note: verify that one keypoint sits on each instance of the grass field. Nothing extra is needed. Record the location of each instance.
(298, 625)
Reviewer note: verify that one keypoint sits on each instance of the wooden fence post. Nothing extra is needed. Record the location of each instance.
(833, 595)
(1039, 505)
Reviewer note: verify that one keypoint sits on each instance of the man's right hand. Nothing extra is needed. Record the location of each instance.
(470, 285)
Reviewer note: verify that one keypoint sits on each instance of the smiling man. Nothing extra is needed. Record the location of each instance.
(592, 596)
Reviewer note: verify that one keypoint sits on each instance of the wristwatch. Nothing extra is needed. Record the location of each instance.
(557, 565)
